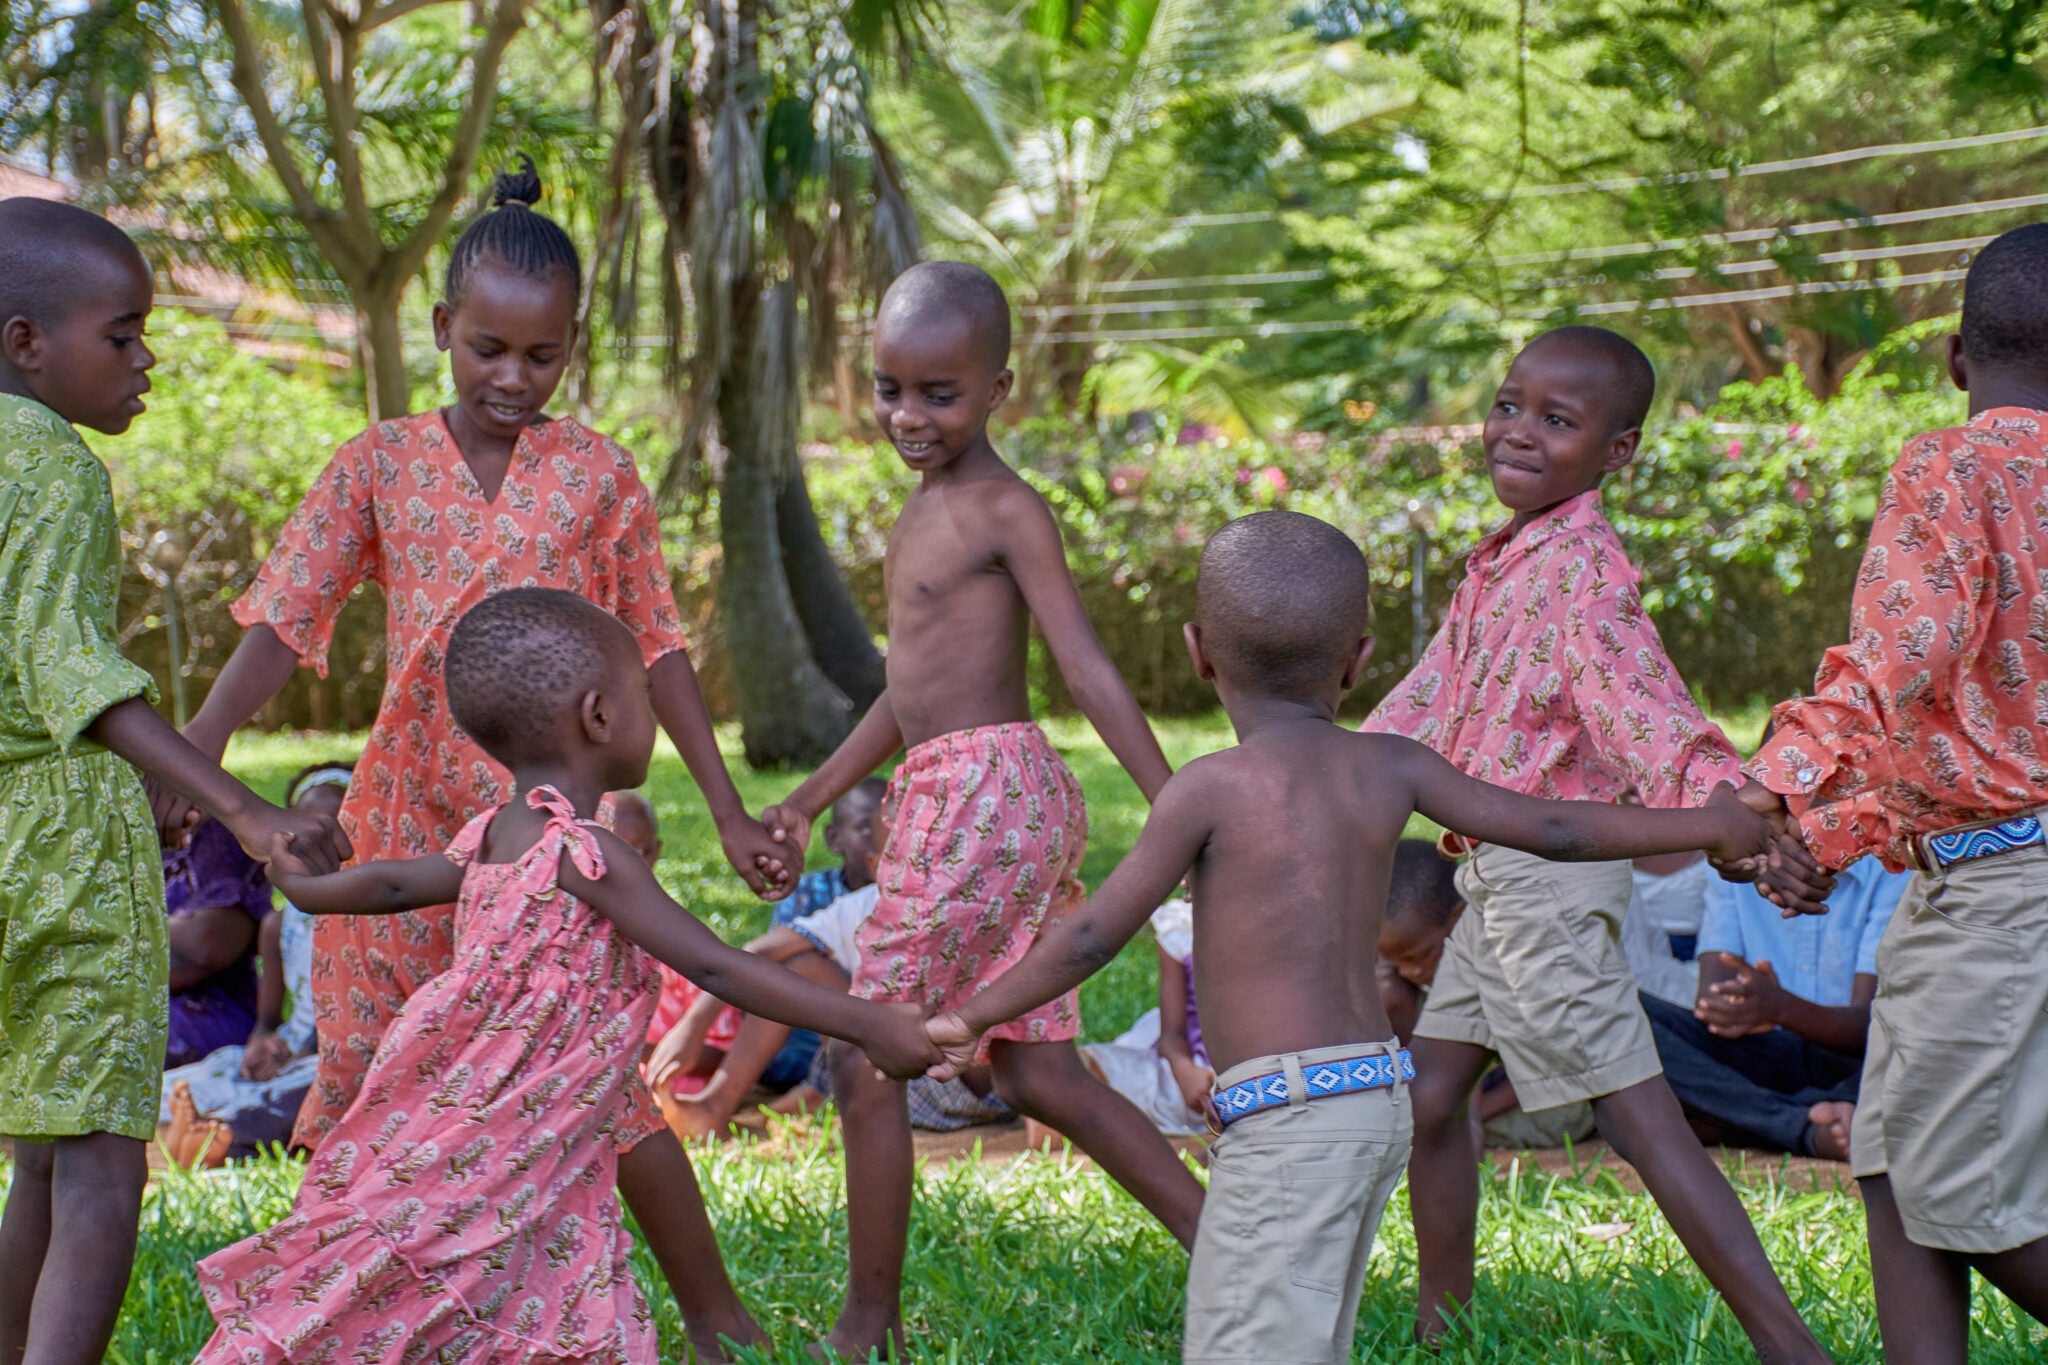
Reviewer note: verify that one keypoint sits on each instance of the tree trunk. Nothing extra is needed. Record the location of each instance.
(790, 713)
(837, 631)
(379, 338)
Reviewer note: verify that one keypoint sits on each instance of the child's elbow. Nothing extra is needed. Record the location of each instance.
(1565, 842)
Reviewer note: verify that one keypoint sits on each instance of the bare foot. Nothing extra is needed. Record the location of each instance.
(1831, 1120)
(799, 1100)
(847, 1342)
(710, 1345)
(693, 1117)
(190, 1139)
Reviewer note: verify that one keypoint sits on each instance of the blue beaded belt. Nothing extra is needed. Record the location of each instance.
(1325, 1080)
(1953, 846)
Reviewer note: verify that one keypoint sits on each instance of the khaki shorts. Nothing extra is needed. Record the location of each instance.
(1295, 1196)
(1955, 1083)
(1534, 972)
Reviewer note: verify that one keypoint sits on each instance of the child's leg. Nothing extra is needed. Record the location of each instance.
(24, 1240)
(1048, 1082)
(1443, 1178)
(1923, 1295)
(879, 1174)
(753, 1048)
(1646, 1128)
(2021, 1275)
(660, 1186)
(95, 1200)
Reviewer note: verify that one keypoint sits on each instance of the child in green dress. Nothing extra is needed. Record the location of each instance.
(83, 961)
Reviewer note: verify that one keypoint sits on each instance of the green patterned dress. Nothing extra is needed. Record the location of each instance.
(83, 957)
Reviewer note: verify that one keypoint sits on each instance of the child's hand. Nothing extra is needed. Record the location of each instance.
(264, 1055)
(1745, 833)
(759, 859)
(790, 828)
(896, 1042)
(676, 1052)
(174, 815)
(1748, 1002)
(956, 1041)
(1196, 1082)
(298, 843)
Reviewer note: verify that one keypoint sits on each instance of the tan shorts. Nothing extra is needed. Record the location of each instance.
(1955, 1083)
(1534, 971)
(1295, 1196)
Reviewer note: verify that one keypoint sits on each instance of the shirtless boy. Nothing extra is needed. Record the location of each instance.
(1312, 1090)
(989, 825)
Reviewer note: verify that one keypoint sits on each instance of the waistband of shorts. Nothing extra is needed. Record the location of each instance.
(964, 743)
(1938, 850)
(1296, 1078)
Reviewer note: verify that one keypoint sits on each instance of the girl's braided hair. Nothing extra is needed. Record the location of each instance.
(512, 233)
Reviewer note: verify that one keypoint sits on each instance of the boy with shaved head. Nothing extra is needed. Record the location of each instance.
(988, 829)
(1547, 678)
(83, 956)
(1314, 1091)
(1925, 745)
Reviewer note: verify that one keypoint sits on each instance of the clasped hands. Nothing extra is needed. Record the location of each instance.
(1787, 875)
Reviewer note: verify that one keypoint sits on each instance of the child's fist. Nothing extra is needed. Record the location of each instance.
(955, 1040)
(896, 1042)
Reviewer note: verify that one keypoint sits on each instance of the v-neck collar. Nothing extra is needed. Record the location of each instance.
(522, 454)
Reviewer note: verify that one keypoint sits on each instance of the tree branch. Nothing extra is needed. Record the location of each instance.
(390, 11)
(331, 43)
(245, 74)
(506, 19)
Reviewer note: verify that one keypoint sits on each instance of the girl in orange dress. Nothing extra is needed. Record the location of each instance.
(441, 510)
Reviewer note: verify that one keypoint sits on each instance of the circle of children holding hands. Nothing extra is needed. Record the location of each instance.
(484, 973)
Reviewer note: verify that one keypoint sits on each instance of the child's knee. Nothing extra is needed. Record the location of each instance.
(1038, 1080)
(100, 1161)
(1438, 1103)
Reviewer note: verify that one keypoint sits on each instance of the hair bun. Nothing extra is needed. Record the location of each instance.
(521, 187)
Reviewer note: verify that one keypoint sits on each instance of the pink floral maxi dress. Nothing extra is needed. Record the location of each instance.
(466, 1206)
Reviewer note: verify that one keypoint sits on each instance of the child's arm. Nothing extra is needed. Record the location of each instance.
(1191, 1076)
(265, 1052)
(629, 897)
(1032, 550)
(678, 1048)
(679, 706)
(858, 755)
(1571, 831)
(1087, 939)
(303, 841)
(380, 888)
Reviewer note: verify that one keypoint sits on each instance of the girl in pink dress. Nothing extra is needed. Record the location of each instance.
(465, 1208)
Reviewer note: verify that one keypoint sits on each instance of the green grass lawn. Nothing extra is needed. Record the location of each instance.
(1040, 1260)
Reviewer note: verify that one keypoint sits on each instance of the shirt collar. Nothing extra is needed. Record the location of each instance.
(1574, 514)
(1990, 417)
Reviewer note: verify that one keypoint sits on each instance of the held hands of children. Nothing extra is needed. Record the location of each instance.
(1785, 872)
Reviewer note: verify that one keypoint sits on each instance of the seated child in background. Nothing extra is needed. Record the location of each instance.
(216, 899)
(1159, 1063)
(242, 1098)
(1423, 906)
(1313, 1093)
(1660, 933)
(1769, 1054)
(467, 1201)
(695, 1035)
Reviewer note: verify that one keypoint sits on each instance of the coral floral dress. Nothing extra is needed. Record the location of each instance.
(466, 1207)
(399, 507)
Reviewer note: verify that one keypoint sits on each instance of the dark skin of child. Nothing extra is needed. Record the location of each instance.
(68, 1240)
(509, 342)
(974, 557)
(1923, 1294)
(1548, 438)
(603, 743)
(1300, 791)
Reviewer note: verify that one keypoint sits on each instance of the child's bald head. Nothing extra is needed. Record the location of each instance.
(1282, 602)
(55, 258)
(949, 296)
(2005, 301)
(1630, 380)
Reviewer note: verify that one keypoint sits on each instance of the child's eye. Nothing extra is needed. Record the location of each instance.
(939, 400)
(1556, 420)
(886, 391)
(121, 343)
(1503, 405)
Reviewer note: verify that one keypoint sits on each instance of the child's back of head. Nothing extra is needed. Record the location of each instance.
(1282, 601)
(2005, 302)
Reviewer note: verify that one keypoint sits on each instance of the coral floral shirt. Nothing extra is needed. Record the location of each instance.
(398, 506)
(1547, 677)
(1935, 713)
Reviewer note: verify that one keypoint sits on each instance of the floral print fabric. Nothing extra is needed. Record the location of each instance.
(1935, 713)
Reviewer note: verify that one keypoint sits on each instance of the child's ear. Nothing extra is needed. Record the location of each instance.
(22, 344)
(999, 392)
(595, 714)
(1354, 670)
(1958, 363)
(1198, 652)
(1622, 450)
(444, 322)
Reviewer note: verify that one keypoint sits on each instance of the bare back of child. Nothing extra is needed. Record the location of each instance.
(1312, 1082)
(990, 826)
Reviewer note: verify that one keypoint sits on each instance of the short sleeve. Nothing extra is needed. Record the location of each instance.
(1721, 925)
(631, 569)
(326, 550)
(1885, 893)
(60, 574)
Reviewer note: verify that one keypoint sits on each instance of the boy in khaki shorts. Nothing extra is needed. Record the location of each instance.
(1548, 678)
(1926, 744)
(1312, 1100)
